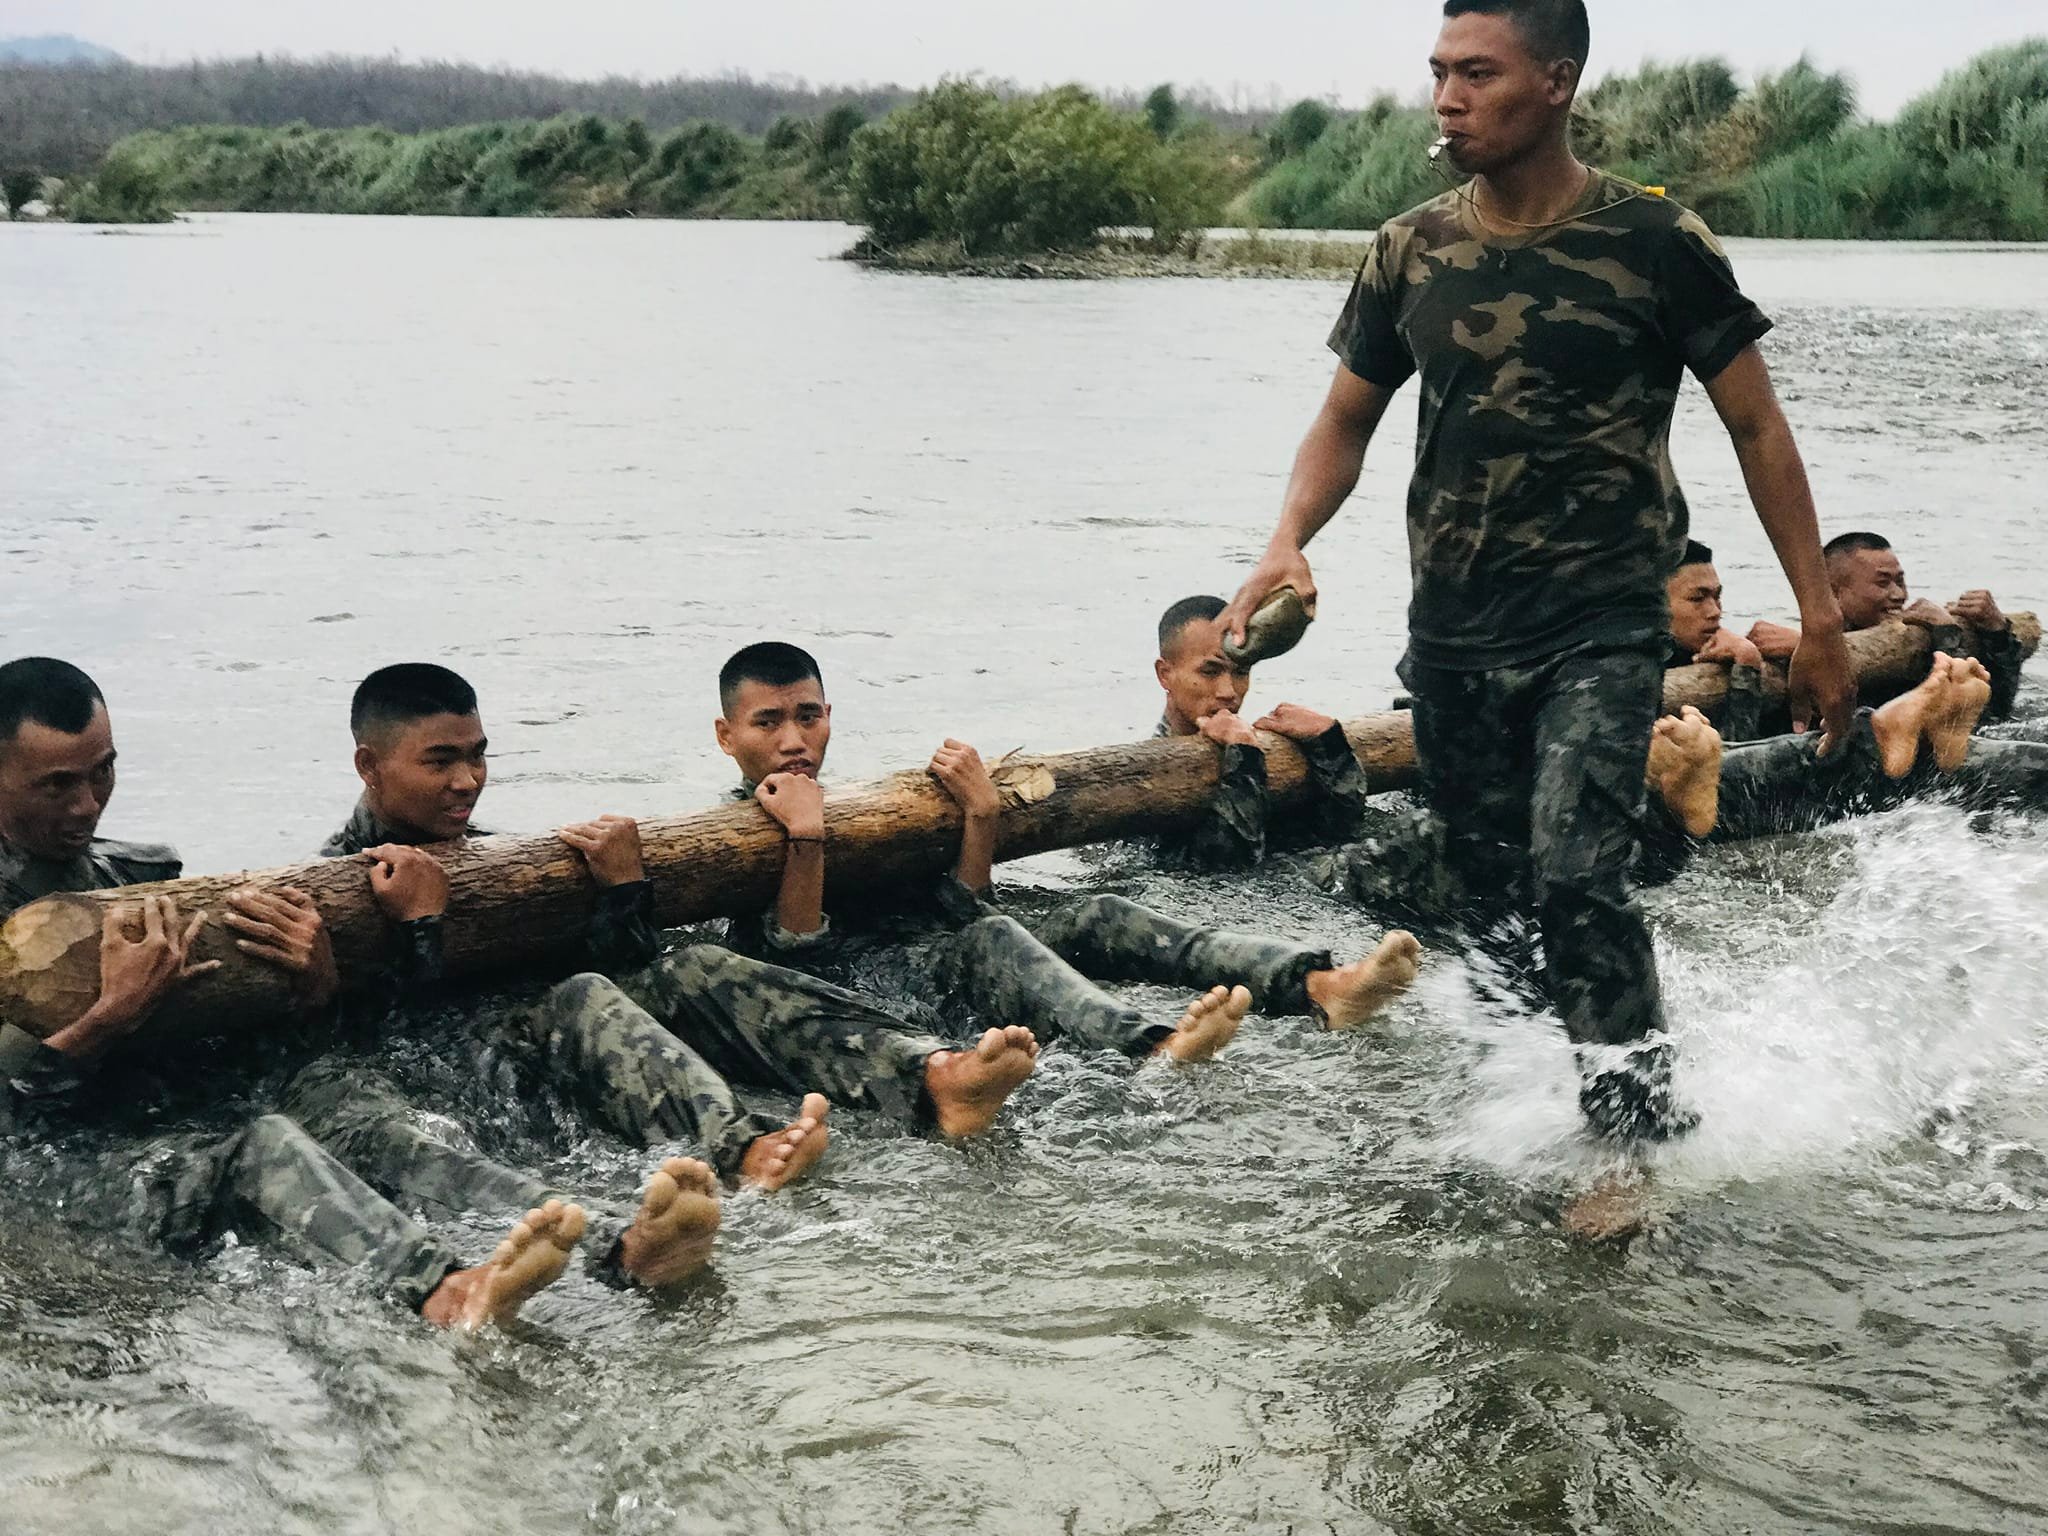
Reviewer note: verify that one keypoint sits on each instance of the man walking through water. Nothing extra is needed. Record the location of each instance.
(1550, 310)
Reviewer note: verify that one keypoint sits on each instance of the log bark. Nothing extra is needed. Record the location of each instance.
(520, 902)
(1888, 659)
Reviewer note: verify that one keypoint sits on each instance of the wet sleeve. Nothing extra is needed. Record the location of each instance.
(762, 937)
(2003, 655)
(957, 906)
(1743, 713)
(1704, 315)
(623, 935)
(1340, 789)
(30, 1070)
(1230, 831)
(1367, 339)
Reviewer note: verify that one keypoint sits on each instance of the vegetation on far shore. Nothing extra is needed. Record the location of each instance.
(969, 176)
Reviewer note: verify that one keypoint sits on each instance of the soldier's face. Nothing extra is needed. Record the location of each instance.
(54, 786)
(1495, 101)
(777, 730)
(1198, 679)
(425, 777)
(1870, 584)
(1695, 606)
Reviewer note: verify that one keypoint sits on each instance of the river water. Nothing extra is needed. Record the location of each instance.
(1315, 1287)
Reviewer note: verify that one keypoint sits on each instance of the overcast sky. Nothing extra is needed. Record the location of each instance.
(1349, 49)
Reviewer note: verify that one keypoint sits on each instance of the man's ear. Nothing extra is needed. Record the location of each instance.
(1564, 81)
(366, 764)
(1160, 669)
(723, 731)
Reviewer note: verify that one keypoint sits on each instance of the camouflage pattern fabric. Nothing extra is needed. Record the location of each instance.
(1239, 827)
(1544, 514)
(769, 1026)
(1110, 939)
(277, 1174)
(1006, 974)
(1536, 773)
(106, 865)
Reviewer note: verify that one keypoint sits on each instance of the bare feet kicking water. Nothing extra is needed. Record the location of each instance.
(1685, 768)
(1209, 1024)
(774, 1161)
(530, 1259)
(1351, 994)
(1915, 714)
(1969, 692)
(968, 1088)
(671, 1237)
(1612, 1211)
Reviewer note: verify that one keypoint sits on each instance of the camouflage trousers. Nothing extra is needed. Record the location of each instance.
(1535, 775)
(1043, 975)
(1783, 784)
(767, 1026)
(628, 1054)
(276, 1175)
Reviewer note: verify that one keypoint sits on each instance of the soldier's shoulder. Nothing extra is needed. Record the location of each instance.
(1654, 211)
(1430, 222)
(138, 863)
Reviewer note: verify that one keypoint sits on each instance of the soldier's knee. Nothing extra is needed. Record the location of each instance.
(586, 989)
(1102, 911)
(269, 1133)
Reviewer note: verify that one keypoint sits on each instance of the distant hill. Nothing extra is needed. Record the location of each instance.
(57, 48)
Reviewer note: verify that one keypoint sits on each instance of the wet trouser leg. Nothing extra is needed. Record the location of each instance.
(1537, 772)
(1007, 975)
(594, 1042)
(2004, 774)
(1111, 939)
(1398, 869)
(277, 1174)
(769, 1026)
(1774, 785)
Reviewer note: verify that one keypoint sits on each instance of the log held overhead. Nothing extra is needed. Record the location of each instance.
(516, 902)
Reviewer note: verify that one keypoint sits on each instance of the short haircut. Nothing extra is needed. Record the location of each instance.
(44, 691)
(772, 663)
(1696, 553)
(1855, 544)
(1189, 610)
(412, 690)
(1552, 29)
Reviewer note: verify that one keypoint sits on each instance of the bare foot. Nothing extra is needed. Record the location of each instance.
(1901, 724)
(1685, 767)
(1209, 1024)
(773, 1161)
(1969, 691)
(1612, 1211)
(670, 1239)
(968, 1088)
(1353, 993)
(531, 1258)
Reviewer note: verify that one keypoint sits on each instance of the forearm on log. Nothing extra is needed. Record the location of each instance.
(520, 901)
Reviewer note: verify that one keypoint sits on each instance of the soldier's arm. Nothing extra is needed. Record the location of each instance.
(1326, 470)
(1743, 713)
(1821, 678)
(1231, 833)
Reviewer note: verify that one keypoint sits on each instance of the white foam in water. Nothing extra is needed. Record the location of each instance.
(1912, 995)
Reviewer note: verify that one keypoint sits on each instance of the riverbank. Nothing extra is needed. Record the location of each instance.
(1250, 255)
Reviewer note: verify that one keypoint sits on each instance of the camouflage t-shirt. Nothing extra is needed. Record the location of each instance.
(1544, 515)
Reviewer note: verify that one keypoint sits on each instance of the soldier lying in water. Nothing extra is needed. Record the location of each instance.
(56, 778)
(776, 724)
(653, 1054)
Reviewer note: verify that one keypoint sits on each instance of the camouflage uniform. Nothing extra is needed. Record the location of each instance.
(1741, 715)
(1544, 518)
(650, 1053)
(193, 1186)
(964, 947)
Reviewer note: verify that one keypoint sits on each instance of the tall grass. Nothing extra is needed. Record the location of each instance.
(1786, 157)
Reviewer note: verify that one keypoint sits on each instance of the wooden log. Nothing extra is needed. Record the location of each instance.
(519, 902)
(1889, 658)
